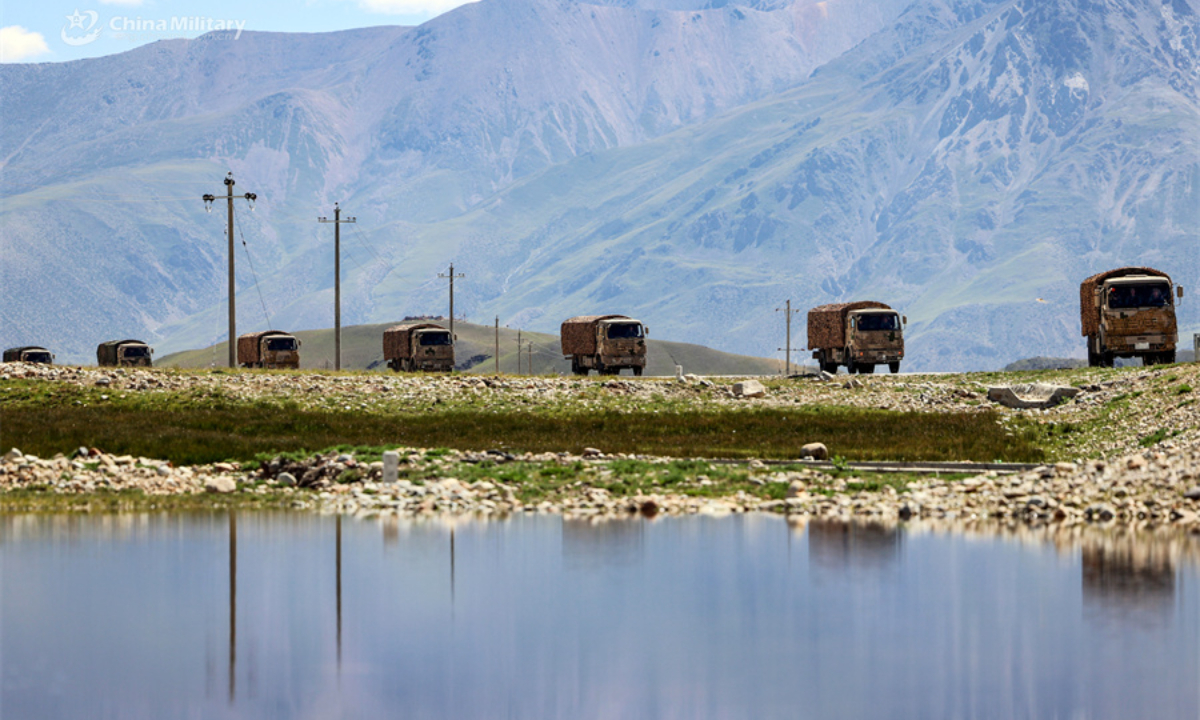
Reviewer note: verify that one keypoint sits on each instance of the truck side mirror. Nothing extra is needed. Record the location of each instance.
(904, 319)
(645, 330)
(1179, 291)
(151, 351)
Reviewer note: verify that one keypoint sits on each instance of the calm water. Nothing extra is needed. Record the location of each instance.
(536, 617)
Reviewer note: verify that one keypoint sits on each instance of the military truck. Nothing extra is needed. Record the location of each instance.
(1129, 312)
(29, 354)
(605, 343)
(859, 335)
(418, 346)
(124, 352)
(268, 349)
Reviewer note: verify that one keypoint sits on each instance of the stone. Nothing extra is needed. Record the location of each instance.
(852, 384)
(816, 451)
(592, 452)
(1036, 396)
(220, 484)
(391, 466)
(13, 455)
(163, 470)
(796, 488)
(749, 389)
(103, 382)
(825, 376)
(286, 479)
(1193, 494)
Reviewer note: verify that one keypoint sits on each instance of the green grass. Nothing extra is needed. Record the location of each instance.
(190, 428)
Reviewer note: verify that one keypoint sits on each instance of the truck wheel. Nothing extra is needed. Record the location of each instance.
(1093, 359)
(1107, 359)
(637, 372)
(829, 367)
(867, 369)
(894, 367)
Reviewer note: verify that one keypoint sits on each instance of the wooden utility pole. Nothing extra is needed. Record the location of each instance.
(497, 344)
(451, 275)
(337, 281)
(208, 203)
(519, 348)
(787, 349)
(530, 357)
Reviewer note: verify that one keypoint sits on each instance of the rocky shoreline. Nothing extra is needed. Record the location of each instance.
(1159, 487)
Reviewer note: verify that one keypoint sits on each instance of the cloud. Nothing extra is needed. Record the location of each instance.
(126, 3)
(17, 44)
(411, 7)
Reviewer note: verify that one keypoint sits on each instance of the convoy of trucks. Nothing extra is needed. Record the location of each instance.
(268, 349)
(1129, 312)
(604, 343)
(858, 335)
(29, 354)
(124, 352)
(418, 346)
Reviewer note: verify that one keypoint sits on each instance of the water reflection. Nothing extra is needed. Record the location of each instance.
(126, 616)
(837, 545)
(594, 543)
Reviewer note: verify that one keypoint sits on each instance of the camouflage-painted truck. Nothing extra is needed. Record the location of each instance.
(418, 346)
(29, 354)
(124, 352)
(1129, 312)
(858, 335)
(268, 349)
(605, 343)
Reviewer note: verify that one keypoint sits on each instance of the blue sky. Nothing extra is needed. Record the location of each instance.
(57, 30)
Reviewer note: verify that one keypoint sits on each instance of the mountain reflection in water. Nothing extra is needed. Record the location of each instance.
(295, 615)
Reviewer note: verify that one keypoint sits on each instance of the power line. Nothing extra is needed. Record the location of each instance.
(250, 260)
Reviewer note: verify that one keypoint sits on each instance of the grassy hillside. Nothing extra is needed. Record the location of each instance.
(362, 349)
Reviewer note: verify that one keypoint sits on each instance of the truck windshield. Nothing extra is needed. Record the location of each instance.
(37, 357)
(435, 338)
(135, 351)
(616, 331)
(878, 321)
(281, 344)
(1123, 297)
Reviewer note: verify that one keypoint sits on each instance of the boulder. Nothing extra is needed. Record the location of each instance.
(749, 389)
(1036, 396)
(286, 479)
(220, 484)
(816, 451)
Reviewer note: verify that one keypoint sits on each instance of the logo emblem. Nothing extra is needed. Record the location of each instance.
(86, 23)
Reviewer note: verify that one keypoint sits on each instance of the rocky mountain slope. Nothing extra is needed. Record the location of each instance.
(671, 159)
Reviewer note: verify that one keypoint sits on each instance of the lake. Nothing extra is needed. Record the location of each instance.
(278, 615)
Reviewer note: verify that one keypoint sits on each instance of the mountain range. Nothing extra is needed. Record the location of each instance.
(690, 163)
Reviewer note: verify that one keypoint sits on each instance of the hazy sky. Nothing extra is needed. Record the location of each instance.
(59, 30)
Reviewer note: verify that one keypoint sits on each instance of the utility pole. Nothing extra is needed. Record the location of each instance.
(208, 203)
(519, 348)
(337, 281)
(497, 344)
(451, 275)
(787, 312)
(530, 355)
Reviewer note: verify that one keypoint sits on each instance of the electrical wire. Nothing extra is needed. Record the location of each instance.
(266, 315)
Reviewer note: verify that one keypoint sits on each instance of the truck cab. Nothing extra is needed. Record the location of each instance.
(134, 354)
(622, 343)
(433, 349)
(874, 337)
(1137, 319)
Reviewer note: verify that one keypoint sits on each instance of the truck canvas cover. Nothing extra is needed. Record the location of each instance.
(579, 333)
(397, 340)
(1089, 311)
(827, 323)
